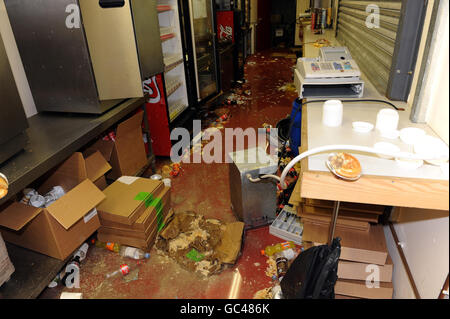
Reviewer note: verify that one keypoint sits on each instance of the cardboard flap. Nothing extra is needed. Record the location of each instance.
(104, 147)
(17, 215)
(75, 204)
(68, 175)
(132, 124)
(96, 166)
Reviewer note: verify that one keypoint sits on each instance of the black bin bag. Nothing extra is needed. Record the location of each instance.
(313, 273)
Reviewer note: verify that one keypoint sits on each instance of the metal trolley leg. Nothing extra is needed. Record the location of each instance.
(337, 204)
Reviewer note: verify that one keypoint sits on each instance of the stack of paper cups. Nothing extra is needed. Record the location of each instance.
(332, 113)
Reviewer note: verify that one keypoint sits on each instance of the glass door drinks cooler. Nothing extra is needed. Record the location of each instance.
(203, 37)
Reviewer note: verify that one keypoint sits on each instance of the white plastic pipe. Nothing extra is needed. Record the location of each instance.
(365, 149)
(254, 180)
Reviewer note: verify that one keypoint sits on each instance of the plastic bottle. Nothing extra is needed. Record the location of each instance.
(132, 252)
(123, 270)
(110, 246)
(270, 250)
(282, 265)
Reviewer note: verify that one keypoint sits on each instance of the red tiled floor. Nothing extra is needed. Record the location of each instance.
(203, 188)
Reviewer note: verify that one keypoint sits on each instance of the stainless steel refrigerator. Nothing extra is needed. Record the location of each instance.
(200, 35)
(86, 56)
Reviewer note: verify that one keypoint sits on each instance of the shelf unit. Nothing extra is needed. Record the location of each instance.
(174, 70)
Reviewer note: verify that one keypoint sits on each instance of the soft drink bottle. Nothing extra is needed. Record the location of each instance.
(110, 246)
(124, 270)
(134, 253)
(270, 250)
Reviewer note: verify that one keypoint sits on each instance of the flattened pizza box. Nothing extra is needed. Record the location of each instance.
(127, 198)
(59, 229)
(155, 220)
(145, 244)
(359, 288)
(360, 271)
(143, 221)
(365, 247)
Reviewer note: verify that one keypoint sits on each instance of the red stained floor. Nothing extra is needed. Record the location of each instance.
(203, 188)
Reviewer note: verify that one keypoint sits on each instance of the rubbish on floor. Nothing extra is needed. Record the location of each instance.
(156, 177)
(176, 169)
(273, 249)
(134, 253)
(288, 87)
(71, 295)
(6, 267)
(201, 245)
(271, 270)
(282, 265)
(265, 293)
(74, 264)
(132, 275)
(167, 182)
(123, 270)
(301, 279)
(110, 246)
(276, 292)
(287, 226)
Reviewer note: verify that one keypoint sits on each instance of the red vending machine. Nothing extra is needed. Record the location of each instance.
(225, 26)
(158, 116)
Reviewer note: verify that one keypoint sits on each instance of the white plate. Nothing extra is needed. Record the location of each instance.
(428, 145)
(392, 135)
(362, 127)
(410, 164)
(387, 147)
(410, 135)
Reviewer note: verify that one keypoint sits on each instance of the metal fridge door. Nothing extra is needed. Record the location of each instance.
(112, 46)
(146, 28)
(54, 54)
(12, 115)
(201, 14)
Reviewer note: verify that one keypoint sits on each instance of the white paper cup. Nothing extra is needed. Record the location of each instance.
(387, 121)
(332, 113)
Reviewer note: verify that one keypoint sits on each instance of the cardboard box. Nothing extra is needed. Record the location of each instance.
(365, 247)
(126, 154)
(143, 225)
(96, 168)
(127, 198)
(62, 227)
(359, 271)
(145, 244)
(358, 288)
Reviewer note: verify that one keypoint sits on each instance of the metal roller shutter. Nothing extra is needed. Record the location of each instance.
(373, 49)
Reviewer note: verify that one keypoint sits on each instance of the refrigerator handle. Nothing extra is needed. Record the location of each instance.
(111, 3)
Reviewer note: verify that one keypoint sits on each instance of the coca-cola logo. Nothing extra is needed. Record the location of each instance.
(226, 32)
(150, 87)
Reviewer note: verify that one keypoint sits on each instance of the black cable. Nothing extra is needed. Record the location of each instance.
(344, 101)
